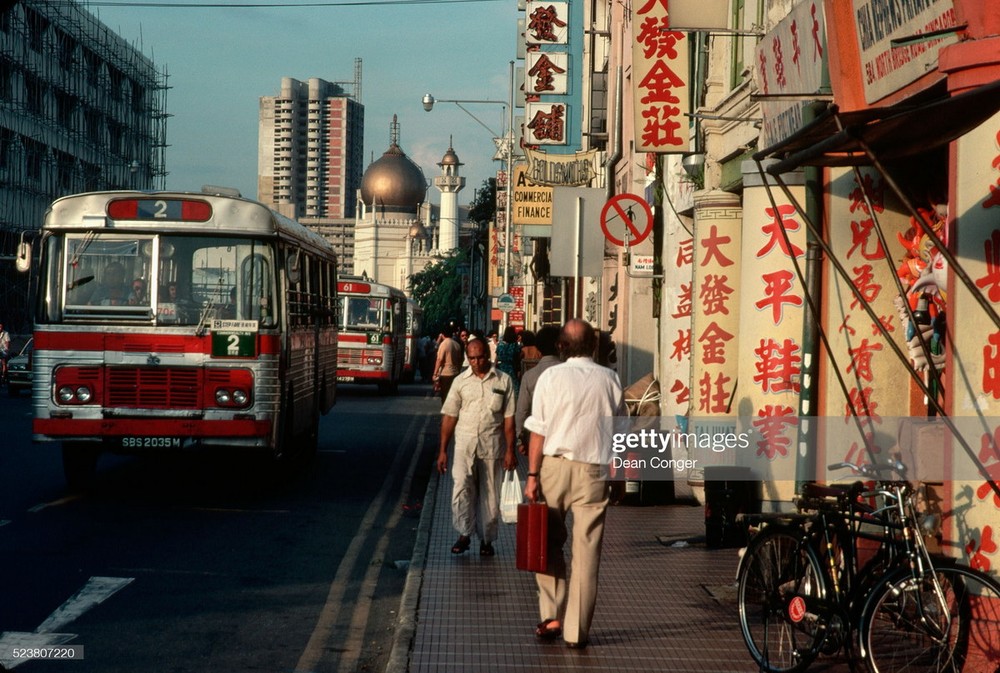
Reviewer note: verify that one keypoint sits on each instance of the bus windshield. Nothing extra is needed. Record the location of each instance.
(166, 279)
(363, 313)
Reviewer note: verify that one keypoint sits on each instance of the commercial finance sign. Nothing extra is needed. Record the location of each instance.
(532, 204)
(886, 68)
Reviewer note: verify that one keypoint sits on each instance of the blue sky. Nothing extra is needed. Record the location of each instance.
(222, 60)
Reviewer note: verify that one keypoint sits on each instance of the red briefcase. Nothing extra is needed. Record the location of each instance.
(532, 536)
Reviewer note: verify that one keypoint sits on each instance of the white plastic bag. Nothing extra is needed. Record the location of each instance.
(511, 493)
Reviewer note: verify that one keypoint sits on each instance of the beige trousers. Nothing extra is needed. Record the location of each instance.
(580, 488)
(475, 496)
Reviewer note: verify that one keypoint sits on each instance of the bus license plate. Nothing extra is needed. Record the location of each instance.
(151, 442)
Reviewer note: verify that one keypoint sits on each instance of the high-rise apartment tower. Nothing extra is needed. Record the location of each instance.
(310, 149)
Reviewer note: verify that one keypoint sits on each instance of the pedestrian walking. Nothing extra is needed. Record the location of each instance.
(568, 470)
(479, 414)
(448, 364)
(546, 343)
(508, 356)
(529, 348)
(5, 353)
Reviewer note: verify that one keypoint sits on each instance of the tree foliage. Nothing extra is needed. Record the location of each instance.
(438, 287)
(484, 205)
(438, 290)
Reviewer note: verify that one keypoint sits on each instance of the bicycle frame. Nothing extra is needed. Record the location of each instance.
(917, 555)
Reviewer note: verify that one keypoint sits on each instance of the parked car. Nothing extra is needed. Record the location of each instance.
(19, 370)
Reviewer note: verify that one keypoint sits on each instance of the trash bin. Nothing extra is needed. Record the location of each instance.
(729, 492)
(647, 492)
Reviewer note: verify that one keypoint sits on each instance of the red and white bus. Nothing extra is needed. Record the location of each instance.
(172, 320)
(372, 333)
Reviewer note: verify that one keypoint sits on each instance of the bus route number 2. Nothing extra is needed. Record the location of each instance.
(233, 344)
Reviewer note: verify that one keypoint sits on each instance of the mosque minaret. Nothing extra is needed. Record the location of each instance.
(449, 183)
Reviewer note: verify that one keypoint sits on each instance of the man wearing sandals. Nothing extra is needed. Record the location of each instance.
(479, 414)
(568, 470)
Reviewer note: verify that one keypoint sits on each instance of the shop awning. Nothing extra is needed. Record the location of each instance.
(838, 138)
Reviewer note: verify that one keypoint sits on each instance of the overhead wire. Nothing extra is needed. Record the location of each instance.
(276, 5)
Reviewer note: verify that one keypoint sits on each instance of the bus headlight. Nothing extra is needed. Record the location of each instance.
(71, 395)
(236, 397)
(228, 388)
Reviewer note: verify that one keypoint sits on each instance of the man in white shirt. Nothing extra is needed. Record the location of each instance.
(479, 413)
(568, 469)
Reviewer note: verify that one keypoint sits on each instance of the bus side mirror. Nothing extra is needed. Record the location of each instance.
(23, 258)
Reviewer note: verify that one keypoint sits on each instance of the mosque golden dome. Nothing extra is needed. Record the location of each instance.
(394, 182)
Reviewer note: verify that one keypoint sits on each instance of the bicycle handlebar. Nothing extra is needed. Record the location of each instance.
(874, 471)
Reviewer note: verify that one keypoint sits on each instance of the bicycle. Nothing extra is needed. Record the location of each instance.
(931, 614)
(802, 577)
(914, 612)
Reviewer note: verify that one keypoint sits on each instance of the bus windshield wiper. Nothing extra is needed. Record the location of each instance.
(77, 282)
(203, 320)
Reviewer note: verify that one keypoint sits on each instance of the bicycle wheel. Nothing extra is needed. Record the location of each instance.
(778, 576)
(907, 628)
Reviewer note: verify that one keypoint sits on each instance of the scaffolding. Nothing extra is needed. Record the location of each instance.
(80, 110)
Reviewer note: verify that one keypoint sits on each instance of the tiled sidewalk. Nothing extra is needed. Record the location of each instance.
(666, 602)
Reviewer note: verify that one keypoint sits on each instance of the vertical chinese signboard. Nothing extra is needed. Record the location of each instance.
(714, 343)
(547, 73)
(675, 320)
(876, 381)
(659, 80)
(499, 233)
(790, 60)
(976, 347)
(772, 305)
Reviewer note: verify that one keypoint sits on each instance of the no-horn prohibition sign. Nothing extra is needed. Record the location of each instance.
(629, 214)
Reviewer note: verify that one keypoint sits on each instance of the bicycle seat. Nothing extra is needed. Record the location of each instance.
(816, 496)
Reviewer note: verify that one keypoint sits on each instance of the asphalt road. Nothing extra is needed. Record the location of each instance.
(207, 563)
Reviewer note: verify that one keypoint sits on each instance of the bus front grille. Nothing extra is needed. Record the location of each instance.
(348, 357)
(154, 387)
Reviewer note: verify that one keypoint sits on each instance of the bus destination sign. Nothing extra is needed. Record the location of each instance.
(234, 338)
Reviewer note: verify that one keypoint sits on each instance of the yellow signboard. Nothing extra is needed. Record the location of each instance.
(532, 204)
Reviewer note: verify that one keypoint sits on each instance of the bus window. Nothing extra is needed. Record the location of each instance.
(206, 277)
(359, 313)
(99, 272)
(257, 282)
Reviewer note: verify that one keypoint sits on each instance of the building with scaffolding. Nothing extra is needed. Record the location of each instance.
(80, 109)
(310, 148)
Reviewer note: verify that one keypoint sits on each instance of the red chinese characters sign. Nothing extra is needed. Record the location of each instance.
(790, 60)
(659, 80)
(546, 23)
(975, 348)
(713, 299)
(875, 384)
(546, 73)
(772, 300)
(545, 123)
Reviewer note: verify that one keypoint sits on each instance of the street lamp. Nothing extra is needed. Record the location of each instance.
(506, 147)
